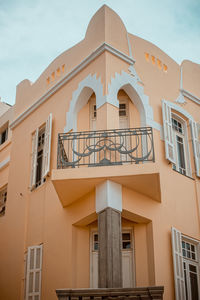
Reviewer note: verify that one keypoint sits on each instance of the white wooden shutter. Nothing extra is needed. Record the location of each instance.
(33, 275)
(47, 147)
(178, 265)
(34, 158)
(168, 132)
(196, 144)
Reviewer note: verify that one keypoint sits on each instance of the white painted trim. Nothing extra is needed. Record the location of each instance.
(5, 162)
(80, 97)
(135, 92)
(190, 96)
(103, 47)
(108, 194)
(179, 109)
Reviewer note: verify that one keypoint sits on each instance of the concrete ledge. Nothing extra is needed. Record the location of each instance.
(147, 293)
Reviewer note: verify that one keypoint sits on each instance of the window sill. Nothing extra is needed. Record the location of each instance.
(183, 174)
(5, 144)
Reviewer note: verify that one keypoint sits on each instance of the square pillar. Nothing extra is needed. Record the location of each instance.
(108, 208)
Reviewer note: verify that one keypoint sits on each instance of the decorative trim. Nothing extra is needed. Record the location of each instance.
(179, 109)
(70, 75)
(5, 162)
(135, 91)
(80, 97)
(190, 96)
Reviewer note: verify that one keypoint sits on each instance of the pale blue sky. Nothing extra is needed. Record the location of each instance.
(33, 33)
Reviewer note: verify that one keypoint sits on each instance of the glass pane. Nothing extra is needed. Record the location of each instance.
(181, 156)
(96, 246)
(187, 246)
(193, 256)
(32, 259)
(37, 281)
(36, 297)
(30, 282)
(30, 297)
(188, 254)
(126, 245)
(194, 286)
(193, 268)
(96, 237)
(193, 248)
(183, 244)
(184, 252)
(38, 258)
(126, 236)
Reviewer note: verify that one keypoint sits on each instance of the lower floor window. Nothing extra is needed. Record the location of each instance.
(3, 198)
(191, 272)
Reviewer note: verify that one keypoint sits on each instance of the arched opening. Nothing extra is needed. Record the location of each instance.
(129, 116)
(86, 116)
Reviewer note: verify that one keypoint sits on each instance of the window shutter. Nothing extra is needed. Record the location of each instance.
(168, 132)
(33, 275)
(47, 147)
(34, 158)
(196, 144)
(178, 265)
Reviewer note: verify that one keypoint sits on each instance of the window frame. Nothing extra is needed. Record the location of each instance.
(184, 137)
(3, 192)
(46, 153)
(3, 129)
(193, 262)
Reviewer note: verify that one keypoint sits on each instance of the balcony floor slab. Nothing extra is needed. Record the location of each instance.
(72, 184)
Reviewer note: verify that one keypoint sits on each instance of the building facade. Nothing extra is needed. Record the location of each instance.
(100, 170)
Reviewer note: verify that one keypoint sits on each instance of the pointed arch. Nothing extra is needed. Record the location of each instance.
(129, 84)
(80, 97)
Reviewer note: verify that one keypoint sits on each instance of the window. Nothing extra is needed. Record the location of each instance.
(3, 198)
(186, 266)
(4, 134)
(41, 145)
(180, 147)
(33, 273)
(176, 140)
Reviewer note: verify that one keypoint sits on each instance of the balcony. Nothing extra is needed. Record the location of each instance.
(125, 156)
(105, 147)
(111, 294)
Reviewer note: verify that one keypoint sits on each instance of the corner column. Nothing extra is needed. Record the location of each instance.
(108, 208)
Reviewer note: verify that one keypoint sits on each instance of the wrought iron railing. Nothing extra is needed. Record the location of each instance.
(105, 147)
(147, 293)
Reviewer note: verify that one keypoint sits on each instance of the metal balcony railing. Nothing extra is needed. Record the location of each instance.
(105, 147)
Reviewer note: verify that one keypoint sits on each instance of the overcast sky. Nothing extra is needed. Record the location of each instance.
(34, 32)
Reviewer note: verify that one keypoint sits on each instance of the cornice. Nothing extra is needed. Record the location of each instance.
(70, 75)
(190, 96)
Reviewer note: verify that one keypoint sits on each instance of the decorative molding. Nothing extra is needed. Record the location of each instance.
(181, 99)
(190, 96)
(5, 162)
(69, 76)
(179, 109)
(80, 97)
(135, 92)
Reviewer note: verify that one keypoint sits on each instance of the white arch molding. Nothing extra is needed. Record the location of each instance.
(80, 97)
(125, 81)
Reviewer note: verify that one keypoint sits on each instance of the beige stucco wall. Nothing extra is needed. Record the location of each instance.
(38, 217)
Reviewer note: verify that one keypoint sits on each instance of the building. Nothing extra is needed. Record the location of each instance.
(107, 138)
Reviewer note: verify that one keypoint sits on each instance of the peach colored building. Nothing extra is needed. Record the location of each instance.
(100, 170)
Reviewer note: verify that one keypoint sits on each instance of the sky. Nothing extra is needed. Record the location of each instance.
(33, 33)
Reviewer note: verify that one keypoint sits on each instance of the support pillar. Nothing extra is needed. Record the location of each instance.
(109, 207)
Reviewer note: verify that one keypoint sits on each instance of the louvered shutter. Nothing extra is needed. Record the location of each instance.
(178, 265)
(196, 144)
(33, 275)
(168, 132)
(47, 147)
(34, 158)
